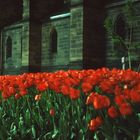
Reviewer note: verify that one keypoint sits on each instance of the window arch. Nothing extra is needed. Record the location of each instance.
(53, 40)
(9, 47)
(121, 32)
(120, 27)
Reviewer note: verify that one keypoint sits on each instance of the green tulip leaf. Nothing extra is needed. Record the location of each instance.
(55, 133)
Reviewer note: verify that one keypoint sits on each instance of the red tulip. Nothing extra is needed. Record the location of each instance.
(112, 112)
(125, 109)
(95, 123)
(38, 97)
(52, 112)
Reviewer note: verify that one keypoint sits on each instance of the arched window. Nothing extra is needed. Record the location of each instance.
(53, 40)
(120, 31)
(120, 27)
(9, 47)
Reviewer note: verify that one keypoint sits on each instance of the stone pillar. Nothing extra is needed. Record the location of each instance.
(76, 2)
(25, 47)
(26, 9)
(76, 34)
(1, 64)
(25, 36)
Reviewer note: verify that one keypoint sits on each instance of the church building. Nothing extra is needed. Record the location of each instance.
(50, 35)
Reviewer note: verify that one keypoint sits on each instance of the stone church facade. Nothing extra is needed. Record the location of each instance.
(49, 35)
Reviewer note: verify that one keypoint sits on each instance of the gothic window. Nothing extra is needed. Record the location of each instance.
(120, 31)
(8, 47)
(53, 40)
(120, 27)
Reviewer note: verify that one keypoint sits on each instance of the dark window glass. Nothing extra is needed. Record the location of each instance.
(120, 31)
(120, 27)
(9, 47)
(53, 40)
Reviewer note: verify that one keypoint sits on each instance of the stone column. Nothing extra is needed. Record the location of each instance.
(26, 9)
(1, 64)
(25, 35)
(76, 34)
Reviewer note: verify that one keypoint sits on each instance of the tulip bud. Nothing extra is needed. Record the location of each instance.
(52, 112)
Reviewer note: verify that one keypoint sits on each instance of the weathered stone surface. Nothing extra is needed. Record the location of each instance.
(48, 58)
(76, 34)
(113, 58)
(75, 2)
(81, 39)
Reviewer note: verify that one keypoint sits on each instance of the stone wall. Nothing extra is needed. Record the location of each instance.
(76, 35)
(81, 39)
(70, 41)
(12, 64)
(112, 59)
(1, 65)
(60, 60)
(25, 46)
(19, 34)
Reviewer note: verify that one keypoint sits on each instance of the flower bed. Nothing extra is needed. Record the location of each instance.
(71, 105)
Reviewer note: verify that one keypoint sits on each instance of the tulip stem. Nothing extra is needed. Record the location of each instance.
(54, 126)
